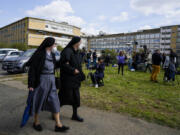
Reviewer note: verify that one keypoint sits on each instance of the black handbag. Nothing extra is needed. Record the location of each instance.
(83, 77)
(57, 79)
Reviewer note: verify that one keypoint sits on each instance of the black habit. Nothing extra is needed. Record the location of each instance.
(70, 83)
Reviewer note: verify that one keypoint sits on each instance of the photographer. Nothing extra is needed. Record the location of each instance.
(99, 74)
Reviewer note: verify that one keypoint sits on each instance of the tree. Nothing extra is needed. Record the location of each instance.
(112, 54)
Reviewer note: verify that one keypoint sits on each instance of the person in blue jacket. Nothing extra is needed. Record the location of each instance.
(121, 61)
(99, 74)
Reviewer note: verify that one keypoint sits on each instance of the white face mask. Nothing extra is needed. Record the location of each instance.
(54, 49)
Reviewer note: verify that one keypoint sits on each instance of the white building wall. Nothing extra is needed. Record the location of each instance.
(84, 43)
(58, 28)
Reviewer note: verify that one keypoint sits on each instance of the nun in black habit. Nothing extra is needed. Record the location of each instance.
(41, 81)
(71, 76)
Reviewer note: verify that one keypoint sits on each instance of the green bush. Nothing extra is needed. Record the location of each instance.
(112, 54)
(2, 45)
(59, 48)
(19, 46)
(32, 47)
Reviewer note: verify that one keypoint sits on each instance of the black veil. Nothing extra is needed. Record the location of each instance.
(49, 41)
(73, 41)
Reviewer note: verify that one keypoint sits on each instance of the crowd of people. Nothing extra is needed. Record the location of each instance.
(42, 82)
(144, 60)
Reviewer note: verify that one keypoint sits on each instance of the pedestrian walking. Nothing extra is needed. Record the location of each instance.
(41, 81)
(71, 76)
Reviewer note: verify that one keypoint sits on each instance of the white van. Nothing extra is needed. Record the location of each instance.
(4, 52)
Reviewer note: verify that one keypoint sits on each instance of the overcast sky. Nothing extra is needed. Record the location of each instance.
(111, 16)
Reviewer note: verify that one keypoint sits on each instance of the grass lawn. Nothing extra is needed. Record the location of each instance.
(134, 94)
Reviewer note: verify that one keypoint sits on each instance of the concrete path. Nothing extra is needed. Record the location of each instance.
(12, 103)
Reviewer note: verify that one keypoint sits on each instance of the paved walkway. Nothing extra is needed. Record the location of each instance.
(12, 103)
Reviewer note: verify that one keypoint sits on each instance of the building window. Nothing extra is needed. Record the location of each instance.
(147, 35)
(178, 40)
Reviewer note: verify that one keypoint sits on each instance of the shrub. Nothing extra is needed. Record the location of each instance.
(112, 54)
(32, 47)
(19, 46)
(59, 48)
(2, 45)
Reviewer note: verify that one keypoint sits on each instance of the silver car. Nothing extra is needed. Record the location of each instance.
(17, 64)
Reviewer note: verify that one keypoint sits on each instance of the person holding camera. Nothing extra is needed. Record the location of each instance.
(99, 73)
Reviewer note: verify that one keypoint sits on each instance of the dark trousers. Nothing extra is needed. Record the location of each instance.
(88, 63)
(107, 63)
(149, 66)
(134, 64)
(94, 62)
(94, 79)
(121, 65)
(169, 75)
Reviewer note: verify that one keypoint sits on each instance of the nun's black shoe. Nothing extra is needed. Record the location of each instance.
(61, 129)
(37, 127)
(77, 118)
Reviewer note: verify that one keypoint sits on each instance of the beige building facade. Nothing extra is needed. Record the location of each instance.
(32, 31)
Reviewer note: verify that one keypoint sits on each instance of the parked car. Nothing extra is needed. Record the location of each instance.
(12, 54)
(18, 64)
(4, 52)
